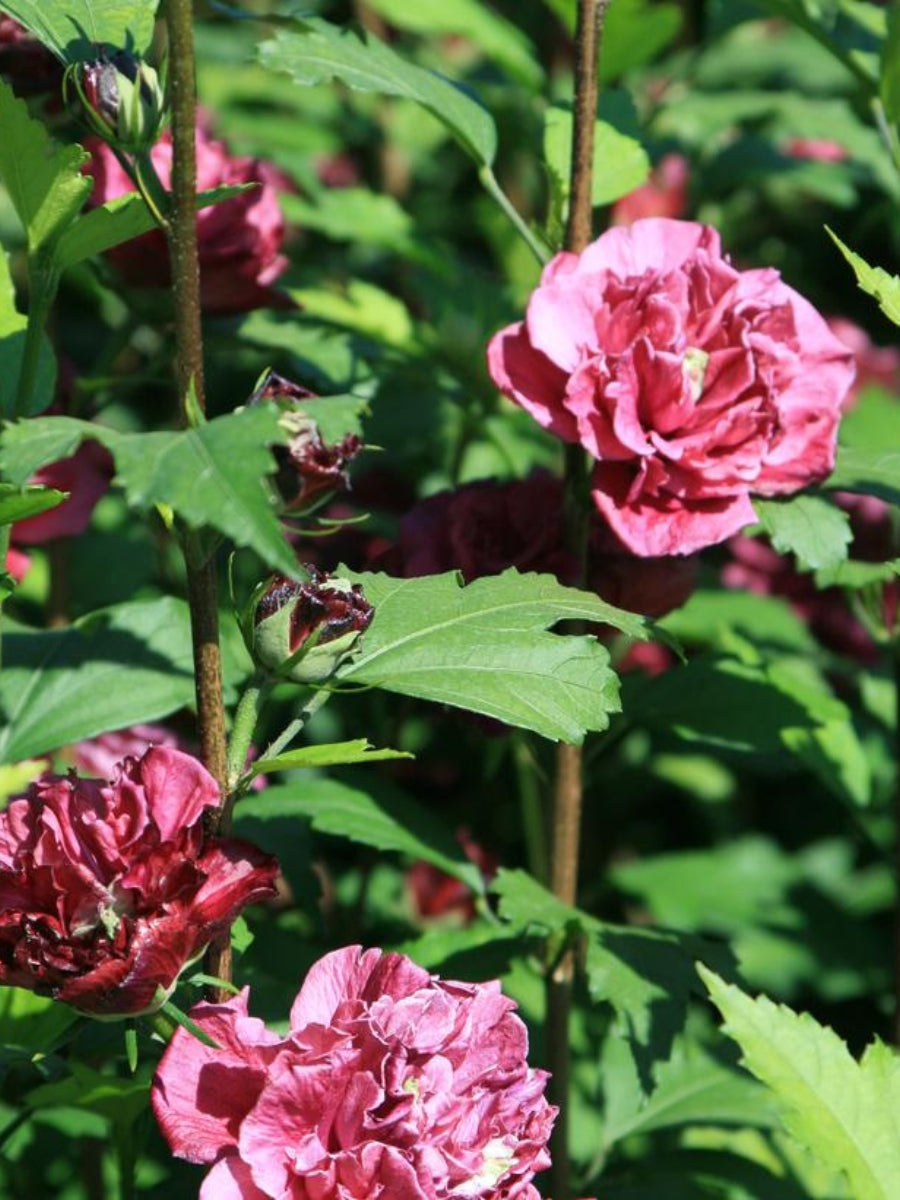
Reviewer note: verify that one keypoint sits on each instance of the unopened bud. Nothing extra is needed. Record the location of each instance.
(122, 98)
(305, 630)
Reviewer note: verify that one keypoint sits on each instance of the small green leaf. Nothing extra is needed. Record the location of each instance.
(817, 533)
(890, 66)
(334, 754)
(44, 180)
(620, 163)
(319, 51)
(175, 1014)
(875, 281)
(843, 1112)
(12, 346)
(484, 647)
(74, 29)
(16, 505)
(387, 820)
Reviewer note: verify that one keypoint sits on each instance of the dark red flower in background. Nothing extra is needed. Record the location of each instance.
(108, 890)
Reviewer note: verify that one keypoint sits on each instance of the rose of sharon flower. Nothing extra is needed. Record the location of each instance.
(239, 240)
(107, 890)
(663, 195)
(692, 384)
(392, 1085)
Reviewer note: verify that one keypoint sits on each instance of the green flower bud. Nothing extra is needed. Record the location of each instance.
(305, 630)
(122, 98)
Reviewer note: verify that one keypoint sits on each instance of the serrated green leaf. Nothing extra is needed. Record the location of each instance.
(73, 30)
(12, 346)
(874, 281)
(16, 505)
(319, 52)
(499, 39)
(484, 647)
(331, 754)
(817, 533)
(845, 1113)
(118, 667)
(620, 163)
(213, 476)
(44, 180)
(336, 416)
(388, 820)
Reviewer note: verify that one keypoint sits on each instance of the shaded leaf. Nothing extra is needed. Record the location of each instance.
(388, 820)
(74, 29)
(319, 51)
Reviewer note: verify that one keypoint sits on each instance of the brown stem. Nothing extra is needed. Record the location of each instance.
(201, 568)
(568, 782)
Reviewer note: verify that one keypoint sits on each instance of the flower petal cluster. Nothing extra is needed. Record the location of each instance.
(239, 240)
(107, 890)
(392, 1085)
(692, 384)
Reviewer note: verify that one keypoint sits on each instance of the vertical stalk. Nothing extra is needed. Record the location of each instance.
(567, 792)
(895, 658)
(201, 571)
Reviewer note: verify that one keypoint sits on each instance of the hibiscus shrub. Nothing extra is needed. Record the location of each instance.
(448, 600)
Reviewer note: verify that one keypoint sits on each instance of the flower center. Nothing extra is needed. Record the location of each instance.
(694, 366)
(497, 1161)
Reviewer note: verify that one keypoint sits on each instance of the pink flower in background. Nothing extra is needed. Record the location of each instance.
(392, 1085)
(25, 63)
(691, 384)
(663, 195)
(86, 477)
(877, 366)
(239, 240)
(17, 564)
(102, 756)
(816, 150)
(107, 890)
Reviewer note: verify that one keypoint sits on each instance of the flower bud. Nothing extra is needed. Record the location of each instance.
(122, 98)
(308, 467)
(305, 630)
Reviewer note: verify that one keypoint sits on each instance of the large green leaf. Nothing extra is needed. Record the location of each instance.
(44, 180)
(318, 51)
(484, 647)
(12, 345)
(73, 30)
(386, 820)
(844, 1112)
(118, 667)
(499, 39)
(817, 533)
(212, 476)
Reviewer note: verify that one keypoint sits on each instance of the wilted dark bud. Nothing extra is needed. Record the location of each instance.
(122, 98)
(308, 467)
(305, 630)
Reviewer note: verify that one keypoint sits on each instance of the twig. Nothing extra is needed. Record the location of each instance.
(568, 783)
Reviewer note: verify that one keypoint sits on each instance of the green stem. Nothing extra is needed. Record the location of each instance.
(287, 735)
(246, 718)
(5, 532)
(492, 187)
(43, 284)
(531, 805)
(150, 186)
